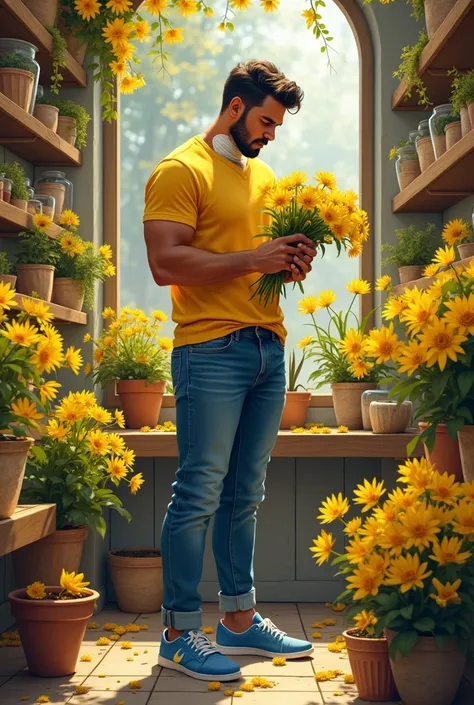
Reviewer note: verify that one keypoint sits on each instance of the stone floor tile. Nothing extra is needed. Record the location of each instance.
(259, 666)
(272, 697)
(59, 690)
(216, 698)
(116, 662)
(330, 698)
(119, 684)
(12, 660)
(180, 683)
(98, 697)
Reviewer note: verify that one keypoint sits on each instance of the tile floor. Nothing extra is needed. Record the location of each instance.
(111, 669)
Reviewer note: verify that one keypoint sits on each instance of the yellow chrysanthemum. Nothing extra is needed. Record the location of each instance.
(358, 287)
(393, 538)
(117, 468)
(360, 368)
(444, 488)
(87, 9)
(352, 344)
(304, 342)
(57, 430)
(72, 583)
(446, 594)
(117, 32)
(369, 494)
(408, 572)
(334, 507)
(116, 443)
(23, 334)
(365, 619)
(326, 179)
(308, 305)
(411, 356)
(364, 582)
(383, 344)
(419, 312)
(449, 550)
(186, 8)
(416, 473)
(463, 521)
(7, 296)
(323, 546)
(36, 591)
(444, 256)
(460, 314)
(431, 270)
(27, 410)
(174, 35)
(155, 7)
(41, 221)
(279, 199)
(383, 283)
(455, 231)
(142, 30)
(49, 391)
(119, 418)
(98, 442)
(420, 526)
(330, 214)
(310, 17)
(353, 526)
(119, 6)
(308, 197)
(270, 5)
(358, 550)
(128, 85)
(440, 342)
(325, 299)
(69, 218)
(393, 308)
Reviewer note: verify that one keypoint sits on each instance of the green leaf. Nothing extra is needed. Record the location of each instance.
(465, 382)
(38, 453)
(407, 612)
(386, 600)
(403, 642)
(454, 425)
(440, 640)
(425, 624)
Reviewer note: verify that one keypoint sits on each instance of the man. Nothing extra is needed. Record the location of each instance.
(203, 208)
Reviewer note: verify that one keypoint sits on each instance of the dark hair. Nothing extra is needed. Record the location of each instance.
(253, 81)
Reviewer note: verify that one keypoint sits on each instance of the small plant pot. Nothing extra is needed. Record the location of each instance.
(69, 293)
(37, 278)
(439, 145)
(137, 577)
(465, 121)
(445, 454)
(388, 417)
(370, 667)
(436, 12)
(13, 455)
(58, 192)
(77, 49)
(8, 279)
(141, 402)
(48, 115)
(20, 203)
(425, 151)
(408, 171)
(347, 403)
(17, 85)
(466, 448)
(410, 273)
(453, 133)
(44, 10)
(52, 631)
(466, 249)
(295, 409)
(67, 129)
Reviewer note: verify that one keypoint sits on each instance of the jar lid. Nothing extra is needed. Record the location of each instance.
(44, 197)
(444, 106)
(7, 42)
(53, 172)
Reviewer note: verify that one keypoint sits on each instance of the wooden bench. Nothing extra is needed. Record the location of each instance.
(29, 523)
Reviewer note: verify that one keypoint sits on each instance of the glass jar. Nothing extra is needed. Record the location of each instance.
(423, 129)
(7, 189)
(54, 183)
(368, 396)
(48, 203)
(28, 51)
(34, 207)
(438, 122)
(407, 165)
(412, 136)
(31, 191)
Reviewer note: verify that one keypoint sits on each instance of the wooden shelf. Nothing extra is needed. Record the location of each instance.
(61, 313)
(450, 46)
(18, 22)
(426, 282)
(355, 444)
(29, 523)
(27, 137)
(14, 221)
(447, 181)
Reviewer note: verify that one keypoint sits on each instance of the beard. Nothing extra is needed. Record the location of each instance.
(241, 137)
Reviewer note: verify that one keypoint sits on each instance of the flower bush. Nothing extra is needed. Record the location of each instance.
(322, 213)
(76, 460)
(30, 348)
(35, 246)
(131, 348)
(73, 587)
(408, 562)
(457, 231)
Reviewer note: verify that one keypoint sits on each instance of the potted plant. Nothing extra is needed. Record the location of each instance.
(6, 271)
(407, 562)
(17, 78)
(52, 621)
(437, 122)
(77, 464)
(459, 232)
(127, 354)
(296, 403)
(36, 258)
(45, 11)
(58, 57)
(340, 351)
(462, 98)
(137, 577)
(19, 193)
(47, 113)
(388, 416)
(408, 69)
(78, 267)
(414, 250)
(453, 129)
(72, 123)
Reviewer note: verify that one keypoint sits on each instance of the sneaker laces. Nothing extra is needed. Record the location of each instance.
(200, 643)
(266, 625)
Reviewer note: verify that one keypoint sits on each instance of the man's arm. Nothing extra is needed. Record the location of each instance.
(173, 260)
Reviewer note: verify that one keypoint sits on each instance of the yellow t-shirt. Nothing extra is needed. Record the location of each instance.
(223, 203)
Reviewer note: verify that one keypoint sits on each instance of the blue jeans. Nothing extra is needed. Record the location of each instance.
(230, 394)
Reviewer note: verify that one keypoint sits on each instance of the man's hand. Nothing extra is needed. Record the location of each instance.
(284, 253)
(301, 265)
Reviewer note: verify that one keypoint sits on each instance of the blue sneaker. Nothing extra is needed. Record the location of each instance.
(262, 638)
(195, 655)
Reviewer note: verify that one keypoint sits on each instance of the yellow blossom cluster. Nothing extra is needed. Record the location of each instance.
(317, 428)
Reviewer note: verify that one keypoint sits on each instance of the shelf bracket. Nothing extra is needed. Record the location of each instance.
(433, 192)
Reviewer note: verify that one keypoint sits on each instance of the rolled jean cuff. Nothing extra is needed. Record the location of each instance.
(183, 621)
(234, 603)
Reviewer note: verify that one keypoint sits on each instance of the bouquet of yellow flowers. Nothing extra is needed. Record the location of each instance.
(131, 348)
(408, 561)
(75, 461)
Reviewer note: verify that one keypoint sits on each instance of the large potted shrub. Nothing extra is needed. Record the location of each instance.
(132, 355)
(17, 79)
(79, 266)
(19, 193)
(412, 252)
(6, 271)
(407, 563)
(52, 621)
(36, 258)
(459, 232)
(77, 464)
(296, 402)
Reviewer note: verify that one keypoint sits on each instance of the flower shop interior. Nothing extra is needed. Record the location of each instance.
(365, 541)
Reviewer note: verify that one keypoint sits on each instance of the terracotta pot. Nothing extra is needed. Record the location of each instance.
(347, 403)
(68, 292)
(44, 559)
(52, 631)
(58, 192)
(137, 581)
(141, 402)
(470, 111)
(13, 455)
(428, 674)
(44, 10)
(466, 249)
(445, 454)
(17, 84)
(67, 129)
(20, 203)
(466, 449)
(76, 49)
(36, 278)
(410, 273)
(436, 12)
(465, 121)
(388, 417)
(453, 134)
(439, 144)
(425, 151)
(370, 667)
(48, 115)
(8, 279)
(295, 409)
(409, 170)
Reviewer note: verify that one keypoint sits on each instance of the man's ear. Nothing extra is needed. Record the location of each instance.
(236, 108)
